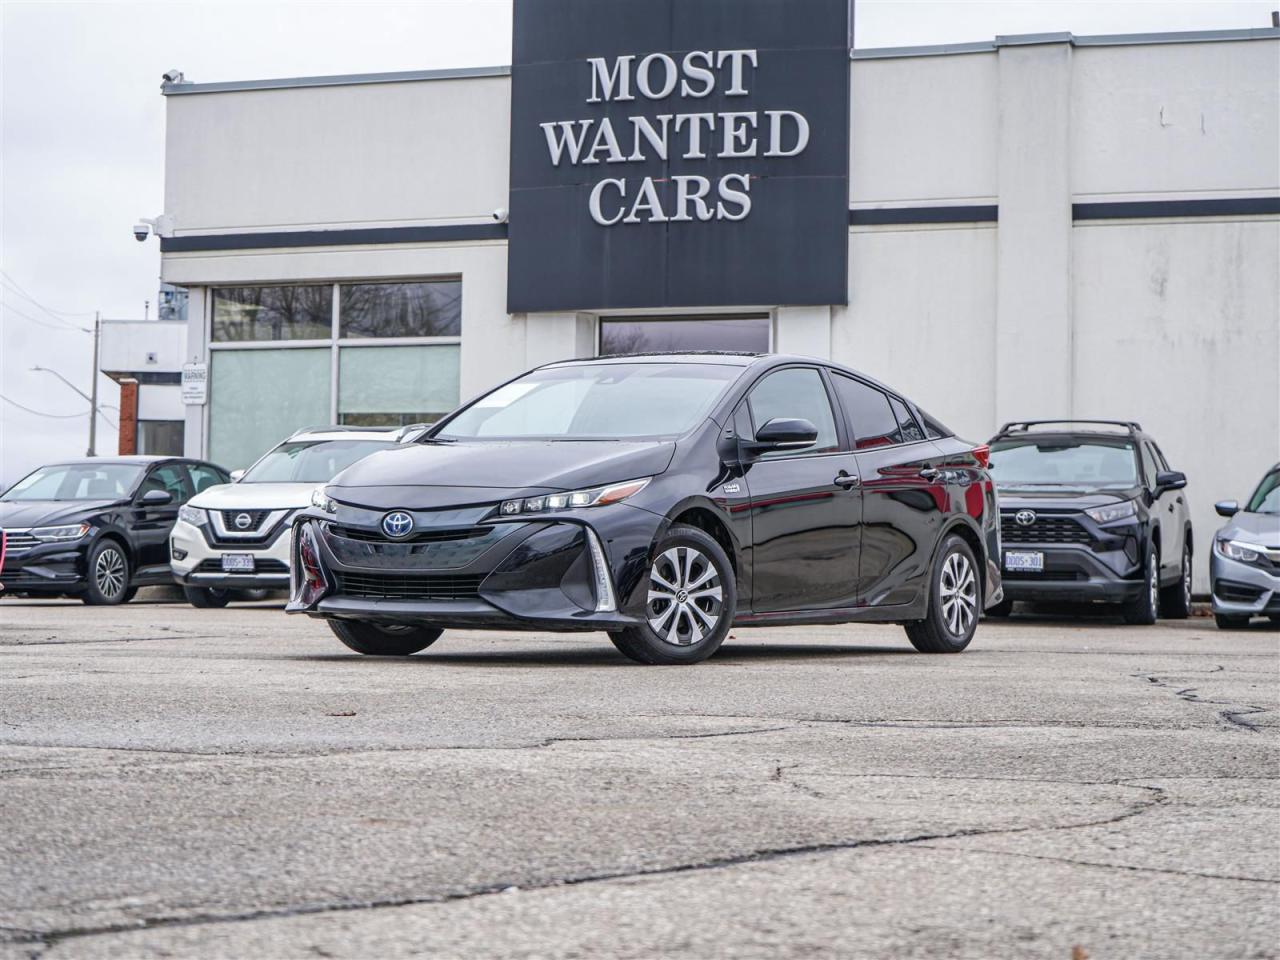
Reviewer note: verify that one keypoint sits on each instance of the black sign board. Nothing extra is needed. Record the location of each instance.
(678, 153)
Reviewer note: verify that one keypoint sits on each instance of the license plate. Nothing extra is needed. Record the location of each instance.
(237, 563)
(1024, 560)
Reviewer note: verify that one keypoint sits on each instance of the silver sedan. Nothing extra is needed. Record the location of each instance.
(1244, 567)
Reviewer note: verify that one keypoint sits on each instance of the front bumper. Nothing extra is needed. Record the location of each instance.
(1243, 589)
(45, 567)
(1074, 573)
(462, 568)
(201, 560)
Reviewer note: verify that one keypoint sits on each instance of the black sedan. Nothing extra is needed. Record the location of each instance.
(98, 528)
(662, 499)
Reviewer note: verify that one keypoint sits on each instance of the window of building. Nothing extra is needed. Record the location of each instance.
(871, 418)
(161, 437)
(394, 386)
(294, 312)
(795, 393)
(747, 333)
(259, 397)
(421, 309)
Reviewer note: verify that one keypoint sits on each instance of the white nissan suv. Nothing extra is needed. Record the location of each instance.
(235, 536)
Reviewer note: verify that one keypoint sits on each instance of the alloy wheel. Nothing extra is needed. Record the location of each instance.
(1153, 586)
(1186, 577)
(958, 590)
(108, 573)
(686, 599)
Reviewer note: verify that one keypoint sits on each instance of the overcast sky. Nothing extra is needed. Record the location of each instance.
(83, 139)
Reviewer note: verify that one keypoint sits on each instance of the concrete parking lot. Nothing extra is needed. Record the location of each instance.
(233, 783)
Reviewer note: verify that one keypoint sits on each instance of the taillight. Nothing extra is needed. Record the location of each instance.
(982, 454)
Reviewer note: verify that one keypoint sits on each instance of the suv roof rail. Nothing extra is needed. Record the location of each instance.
(1132, 426)
(340, 428)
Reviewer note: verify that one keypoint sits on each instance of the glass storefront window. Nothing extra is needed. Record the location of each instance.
(393, 386)
(426, 309)
(259, 397)
(295, 312)
(626, 335)
(161, 437)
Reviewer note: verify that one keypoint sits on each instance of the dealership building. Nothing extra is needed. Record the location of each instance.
(1038, 226)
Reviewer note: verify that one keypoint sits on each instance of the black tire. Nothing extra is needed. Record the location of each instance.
(379, 640)
(1226, 622)
(128, 594)
(1175, 600)
(206, 598)
(683, 631)
(955, 601)
(1001, 609)
(1144, 608)
(107, 575)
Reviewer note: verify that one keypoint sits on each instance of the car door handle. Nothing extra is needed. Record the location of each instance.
(846, 480)
(929, 473)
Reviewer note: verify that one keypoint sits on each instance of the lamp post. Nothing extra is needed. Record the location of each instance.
(93, 405)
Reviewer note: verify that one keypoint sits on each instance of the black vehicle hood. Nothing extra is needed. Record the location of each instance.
(422, 476)
(44, 513)
(1060, 498)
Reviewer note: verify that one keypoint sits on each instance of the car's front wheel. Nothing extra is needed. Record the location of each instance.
(108, 570)
(955, 599)
(692, 597)
(384, 640)
(1144, 608)
(1175, 600)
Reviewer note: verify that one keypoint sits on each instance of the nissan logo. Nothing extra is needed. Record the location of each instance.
(1025, 518)
(397, 524)
(243, 521)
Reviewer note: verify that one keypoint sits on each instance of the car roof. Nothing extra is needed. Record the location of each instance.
(137, 460)
(731, 358)
(328, 433)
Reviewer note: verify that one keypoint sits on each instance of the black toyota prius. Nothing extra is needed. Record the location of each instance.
(662, 499)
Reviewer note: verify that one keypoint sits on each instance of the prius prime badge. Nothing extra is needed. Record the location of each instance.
(1025, 518)
(397, 524)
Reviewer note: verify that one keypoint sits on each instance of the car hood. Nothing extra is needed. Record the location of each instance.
(1059, 498)
(255, 496)
(19, 514)
(423, 476)
(1260, 528)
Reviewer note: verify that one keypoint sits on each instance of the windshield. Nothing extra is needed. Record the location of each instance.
(606, 401)
(1064, 463)
(311, 461)
(77, 481)
(1266, 499)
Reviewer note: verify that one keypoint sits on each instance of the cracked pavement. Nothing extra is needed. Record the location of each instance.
(185, 783)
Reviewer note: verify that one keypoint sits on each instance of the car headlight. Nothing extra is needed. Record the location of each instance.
(322, 502)
(1235, 550)
(193, 515)
(575, 499)
(72, 531)
(1113, 512)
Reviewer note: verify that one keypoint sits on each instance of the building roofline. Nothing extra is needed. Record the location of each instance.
(873, 53)
(1099, 40)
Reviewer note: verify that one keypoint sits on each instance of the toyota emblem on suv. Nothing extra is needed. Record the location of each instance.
(397, 524)
(1025, 518)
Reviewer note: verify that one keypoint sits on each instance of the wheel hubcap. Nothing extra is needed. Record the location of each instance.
(108, 573)
(959, 594)
(686, 598)
(1154, 588)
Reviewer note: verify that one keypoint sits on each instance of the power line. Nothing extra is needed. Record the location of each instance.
(61, 313)
(55, 416)
(61, 325)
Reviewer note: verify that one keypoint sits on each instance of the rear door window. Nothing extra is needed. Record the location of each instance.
(907, 426)
(871, 418)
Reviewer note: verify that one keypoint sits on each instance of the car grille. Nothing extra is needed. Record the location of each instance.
(265, 565)
(1046, 576)
(408, 586)
(19, 540)
(1045, 529)
(256, 518)
(422, 536)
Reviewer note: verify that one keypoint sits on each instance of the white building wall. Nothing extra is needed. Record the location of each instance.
(126, 345)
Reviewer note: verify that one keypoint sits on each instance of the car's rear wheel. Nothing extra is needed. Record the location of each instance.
(1144, 608)
(692, 597)
(955, 599)
(206, 598)
(1226, 622)
(108, 575)
(384, 640)
(1175, 600)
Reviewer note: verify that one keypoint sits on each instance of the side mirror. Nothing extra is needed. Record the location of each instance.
(1170, 480)
(236, 475)
(156, 498)
(1227, 508)
(784, 433)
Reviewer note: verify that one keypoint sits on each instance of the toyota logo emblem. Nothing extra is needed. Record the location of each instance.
(242, 521)
(397, 524)
(1025, 518)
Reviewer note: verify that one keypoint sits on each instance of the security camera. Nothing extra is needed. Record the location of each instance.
(141, 231)
(501, 214)
(173, 76)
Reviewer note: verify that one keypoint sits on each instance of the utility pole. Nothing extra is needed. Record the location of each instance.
(93, 400)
